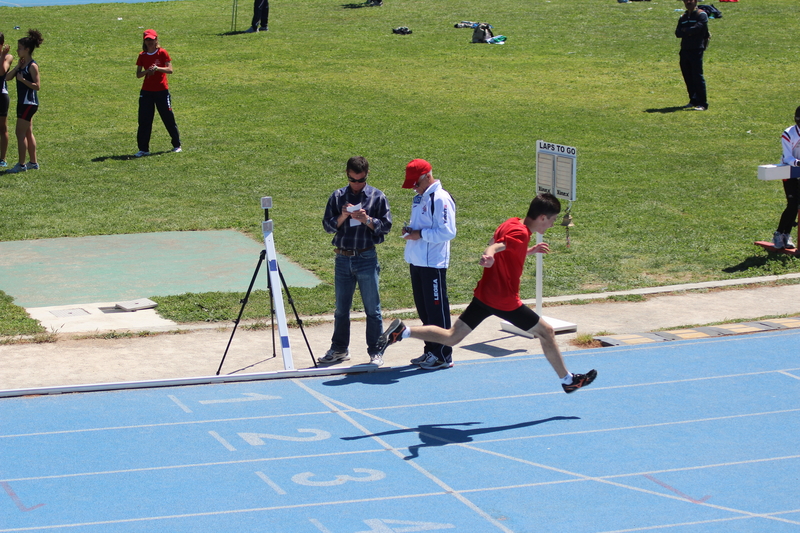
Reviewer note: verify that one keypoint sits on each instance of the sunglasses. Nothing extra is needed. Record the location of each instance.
(353, 180)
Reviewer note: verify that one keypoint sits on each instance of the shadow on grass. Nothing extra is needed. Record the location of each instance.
(235, 32)
(126, 157)
(665, 109)
(757, 261)
(357, 6)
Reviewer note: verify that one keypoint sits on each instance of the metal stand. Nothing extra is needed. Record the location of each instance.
(234, 11)
(275, 280)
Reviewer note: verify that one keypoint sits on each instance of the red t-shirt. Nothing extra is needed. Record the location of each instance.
(499, 285)
(159, 58)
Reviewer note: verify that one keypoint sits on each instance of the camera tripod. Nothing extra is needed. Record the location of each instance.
(275, 280)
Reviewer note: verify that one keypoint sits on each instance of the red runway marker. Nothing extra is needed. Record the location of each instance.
(16, 499)
(676, 491)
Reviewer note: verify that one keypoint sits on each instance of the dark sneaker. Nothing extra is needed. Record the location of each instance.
(433, 363)
(334, 356)
(392, 334)
(580, 380)
(779, 240)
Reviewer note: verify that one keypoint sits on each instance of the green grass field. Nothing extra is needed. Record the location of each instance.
(664, 196)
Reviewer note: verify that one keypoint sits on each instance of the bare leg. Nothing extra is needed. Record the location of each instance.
(3, 137)
(448, 337)
(31, 140)
(22, 138)
(547, 336)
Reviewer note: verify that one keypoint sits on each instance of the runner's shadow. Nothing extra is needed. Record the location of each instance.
(439, 435)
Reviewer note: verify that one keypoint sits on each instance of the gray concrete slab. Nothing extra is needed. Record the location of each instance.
(199, 349)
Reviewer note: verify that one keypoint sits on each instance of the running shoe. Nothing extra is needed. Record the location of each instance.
(434, 363)
(778, 240)
(787, 241)
(580, 380)
(421, 359)
(19, 167)
(376, 359)
(32, 166)
(392, 334)
(334, 356)
(177, 149)
(141, 153)
(3, 163)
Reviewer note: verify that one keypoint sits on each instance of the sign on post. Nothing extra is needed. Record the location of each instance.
(556, 170)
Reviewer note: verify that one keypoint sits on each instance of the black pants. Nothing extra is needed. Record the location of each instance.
(149, 101)
(430, 297)
(792, 189)
(260, 13)
(692, 70)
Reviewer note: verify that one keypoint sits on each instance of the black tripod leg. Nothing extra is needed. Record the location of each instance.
(296, 316)
(244, 302)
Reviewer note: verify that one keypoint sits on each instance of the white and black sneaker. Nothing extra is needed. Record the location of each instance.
(17, 168)
(421, 359)
(434, 363)
(787, 241)
(334, 356)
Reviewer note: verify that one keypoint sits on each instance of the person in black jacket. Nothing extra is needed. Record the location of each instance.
(692, 30)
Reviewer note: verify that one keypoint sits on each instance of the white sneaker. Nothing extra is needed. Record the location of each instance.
(333, 356)
(787, 241)
(778, 240)
(177, 149)
(141, 153)
(19, 167)
(376, 359)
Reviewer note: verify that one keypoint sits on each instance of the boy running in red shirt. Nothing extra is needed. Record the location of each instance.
(497, 292)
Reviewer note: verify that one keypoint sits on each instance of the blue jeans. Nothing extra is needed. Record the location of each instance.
(362, 270)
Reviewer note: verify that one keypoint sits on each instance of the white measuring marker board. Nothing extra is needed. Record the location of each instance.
(277, 293)
(777, 172)
(556, 173)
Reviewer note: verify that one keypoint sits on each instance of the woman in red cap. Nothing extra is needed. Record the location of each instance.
(153, 64)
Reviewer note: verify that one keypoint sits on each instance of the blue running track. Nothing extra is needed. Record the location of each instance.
(680, 437)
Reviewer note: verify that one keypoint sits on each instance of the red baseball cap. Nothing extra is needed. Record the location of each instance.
(415, 169)
(150, 34)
